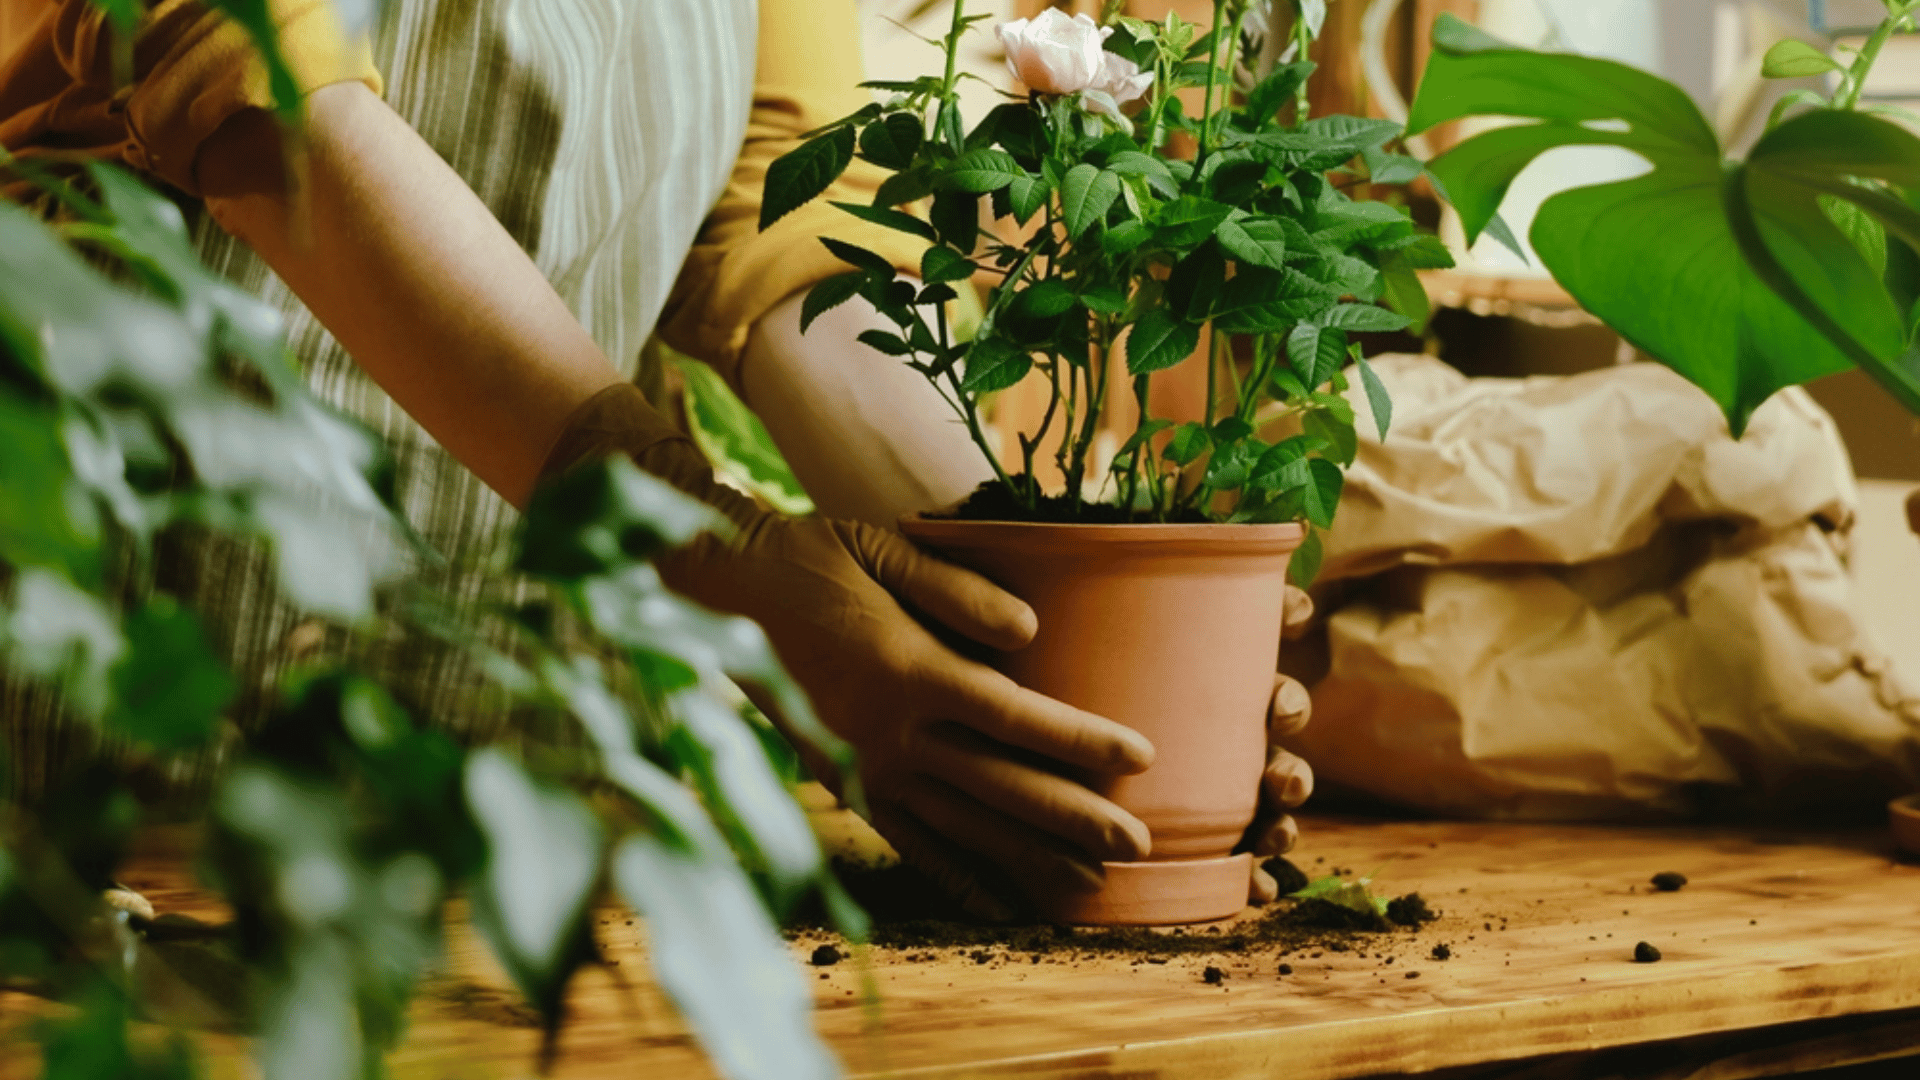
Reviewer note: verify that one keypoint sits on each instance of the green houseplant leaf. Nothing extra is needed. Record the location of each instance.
(735, 440)
(1727, 272)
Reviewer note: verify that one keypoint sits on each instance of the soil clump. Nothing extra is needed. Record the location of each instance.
(994, 501)
(1410, 910)
(1668, 881)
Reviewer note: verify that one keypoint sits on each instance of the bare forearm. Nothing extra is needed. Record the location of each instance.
(409, 270)
(869, 438)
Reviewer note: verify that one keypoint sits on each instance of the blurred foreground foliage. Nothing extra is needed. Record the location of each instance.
(141, 395)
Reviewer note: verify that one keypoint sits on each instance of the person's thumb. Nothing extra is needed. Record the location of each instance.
(956, 597)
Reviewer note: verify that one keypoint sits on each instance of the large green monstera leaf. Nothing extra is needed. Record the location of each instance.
(1735, 274)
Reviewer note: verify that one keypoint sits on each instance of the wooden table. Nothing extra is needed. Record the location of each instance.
(1783, 953)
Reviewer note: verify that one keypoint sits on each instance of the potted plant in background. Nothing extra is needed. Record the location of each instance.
(1158, 574)
(1743, 276)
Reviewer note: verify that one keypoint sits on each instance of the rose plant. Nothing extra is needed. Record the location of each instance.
(1253, 255)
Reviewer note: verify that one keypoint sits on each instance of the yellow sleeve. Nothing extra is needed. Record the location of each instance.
(807, 76)
(193, 69)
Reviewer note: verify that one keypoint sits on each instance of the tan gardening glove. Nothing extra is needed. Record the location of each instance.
(1288, 780)
(960, 765)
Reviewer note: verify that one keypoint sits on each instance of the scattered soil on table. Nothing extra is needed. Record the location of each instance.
(911, 916)
(824, 956)
(1410, 910)
(1645, 953)
(1442, 952)
(1213, 976)
(994, 501)
(1668, 881)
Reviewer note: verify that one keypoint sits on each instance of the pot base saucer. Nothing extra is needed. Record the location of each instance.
(1159, 893)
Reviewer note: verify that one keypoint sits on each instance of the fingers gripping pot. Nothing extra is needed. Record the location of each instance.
(1171, 630)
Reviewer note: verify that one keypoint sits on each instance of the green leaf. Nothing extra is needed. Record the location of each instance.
(736, 442)
(1086, 194)
(169, 688)
(717, 954)
(993, 364)
(1188, 221)
(1385, 168)
(40, 525)
(1422, 251)
(1364, 318)
(978, 172)
(1791, 98)
(1155, 171)
(64, 635)
(905, 187)
(873, 263)
(1228, 467)
(1044, 300)
(829, 294)
(801, 175)
(1230, 429)
(893, 141)
(1304, 565)
(1125, 237)
(941, 264)
(1668, 258)
(1342, 444)
(1794, 59)
(1159, 341)
(750, 800)
(1316, 353)
(883, 342)
(1026, 195)
(956, 218)
(1141, 434)
(1106, 299)
(543, 857)
(1282, 467)
(1322, 493)
(896, 220)
(1860, 227)
(1378, 400)
(1188, 443)
(603, 516)
(1403, 291)
(1274, 91)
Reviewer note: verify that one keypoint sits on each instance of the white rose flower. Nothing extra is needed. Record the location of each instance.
(1055, 54)
(1122, 80)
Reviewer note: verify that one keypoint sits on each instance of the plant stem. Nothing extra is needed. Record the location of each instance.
(1213, 78)
(949, 125)
(1213, 371)
(1302, 36)
(1870, 52)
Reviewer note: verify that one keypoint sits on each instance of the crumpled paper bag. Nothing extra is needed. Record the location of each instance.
(1578, 598)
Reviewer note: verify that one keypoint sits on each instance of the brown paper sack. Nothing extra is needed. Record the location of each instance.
(1578, 598)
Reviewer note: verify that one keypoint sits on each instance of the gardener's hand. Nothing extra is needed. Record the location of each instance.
(1288, 780)
(960, 766)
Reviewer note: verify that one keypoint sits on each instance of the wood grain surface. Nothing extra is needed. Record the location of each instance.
(1541, 922)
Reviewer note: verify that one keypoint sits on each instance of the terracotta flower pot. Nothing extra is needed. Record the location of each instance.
(1172, 630)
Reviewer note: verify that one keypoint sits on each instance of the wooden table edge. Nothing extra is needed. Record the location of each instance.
(1482, 1034)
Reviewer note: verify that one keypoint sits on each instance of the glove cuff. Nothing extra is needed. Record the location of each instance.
(620, 420)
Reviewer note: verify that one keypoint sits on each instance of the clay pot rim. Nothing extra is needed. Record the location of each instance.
(1274, 539)
(1905, 815)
